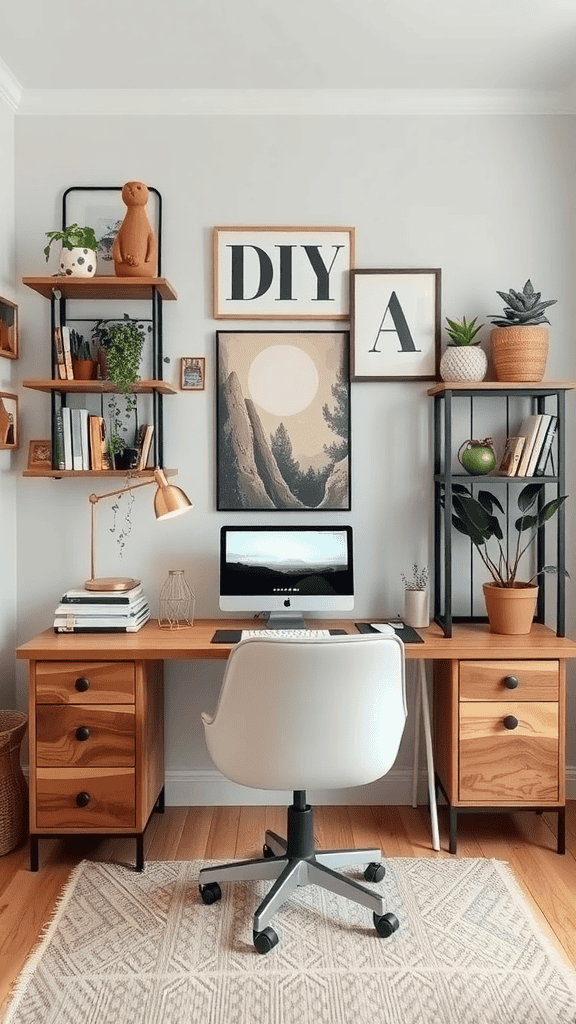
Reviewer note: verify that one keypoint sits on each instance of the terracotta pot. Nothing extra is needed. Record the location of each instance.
(519, 353)
(511, 609)
(84, 369)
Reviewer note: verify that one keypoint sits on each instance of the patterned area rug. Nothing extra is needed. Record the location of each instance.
(143, 949)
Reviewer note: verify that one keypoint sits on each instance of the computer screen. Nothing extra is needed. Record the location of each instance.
(286, 571)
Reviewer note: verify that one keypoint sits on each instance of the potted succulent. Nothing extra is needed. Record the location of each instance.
(120, 352)
(518, 340)
(78, 252)
(510, 602)
(84, 363)
(463, 360)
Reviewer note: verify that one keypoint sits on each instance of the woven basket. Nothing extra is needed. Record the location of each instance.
(13, 788)
(519, 353)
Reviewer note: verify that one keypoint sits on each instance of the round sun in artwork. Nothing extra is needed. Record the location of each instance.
(283, 380)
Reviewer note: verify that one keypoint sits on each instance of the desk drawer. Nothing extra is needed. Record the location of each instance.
(486, 680)
(97, 736)
(111, 796)
(498, 764)
(81, 682)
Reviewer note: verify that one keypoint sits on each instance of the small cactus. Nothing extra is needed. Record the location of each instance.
(462, 332)
(522, 308)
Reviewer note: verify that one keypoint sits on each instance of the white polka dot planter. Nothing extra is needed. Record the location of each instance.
(77, 262)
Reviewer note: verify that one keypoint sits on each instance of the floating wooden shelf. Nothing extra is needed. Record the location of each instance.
(98, 387)
(102, 287)
(119, 473)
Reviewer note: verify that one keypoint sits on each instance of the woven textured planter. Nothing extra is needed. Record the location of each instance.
(13, 788)
(511, 609)
(519, 353)
(463, 362)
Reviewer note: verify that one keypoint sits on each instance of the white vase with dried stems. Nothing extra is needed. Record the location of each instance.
(416, 598)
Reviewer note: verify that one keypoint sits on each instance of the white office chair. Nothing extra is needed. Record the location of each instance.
(302, 713)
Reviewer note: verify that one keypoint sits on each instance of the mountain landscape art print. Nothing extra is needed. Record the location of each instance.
(283, 421)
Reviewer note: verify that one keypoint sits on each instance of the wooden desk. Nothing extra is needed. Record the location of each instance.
(96, 723)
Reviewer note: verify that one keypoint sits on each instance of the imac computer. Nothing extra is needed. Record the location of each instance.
(286, 571)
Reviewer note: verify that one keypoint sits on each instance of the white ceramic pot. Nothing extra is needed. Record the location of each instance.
(77, 262)
(463, 362)
(417, 608)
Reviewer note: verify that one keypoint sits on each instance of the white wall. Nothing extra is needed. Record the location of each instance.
(484, 198)
(8, 510)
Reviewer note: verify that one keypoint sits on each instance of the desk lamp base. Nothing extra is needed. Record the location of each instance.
(111, 583)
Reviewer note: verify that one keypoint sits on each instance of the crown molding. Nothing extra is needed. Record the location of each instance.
(10, 88)
(300, 102)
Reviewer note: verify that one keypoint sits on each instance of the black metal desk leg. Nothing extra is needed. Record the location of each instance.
(159, 805)
(453, 819)
(34, 855)
(562, 830)
(140, 853)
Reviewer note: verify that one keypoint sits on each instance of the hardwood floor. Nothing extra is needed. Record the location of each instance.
(526, 841)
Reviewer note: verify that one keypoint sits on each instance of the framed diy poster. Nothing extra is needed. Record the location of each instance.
(395, 324)
(283, 421)
(282, 273)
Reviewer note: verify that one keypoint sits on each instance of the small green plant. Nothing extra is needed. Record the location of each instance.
(122, 342)
(475, 518)
(72, 237)
(419, 578)
(462, 332)
(79, 346)
(522, 307)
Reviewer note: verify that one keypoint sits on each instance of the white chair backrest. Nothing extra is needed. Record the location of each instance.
(303, 714)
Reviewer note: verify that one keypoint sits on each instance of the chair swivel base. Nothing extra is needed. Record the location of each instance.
(295, 862)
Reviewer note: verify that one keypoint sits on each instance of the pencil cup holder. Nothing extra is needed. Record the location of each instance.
(417, 608)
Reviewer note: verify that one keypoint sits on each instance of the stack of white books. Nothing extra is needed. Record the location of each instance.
(85, 611)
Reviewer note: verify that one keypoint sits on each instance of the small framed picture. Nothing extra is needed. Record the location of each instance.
(9, 433)
(395, 324)
(8, 329)
(192, 374)
(286, 273)
(40, 455)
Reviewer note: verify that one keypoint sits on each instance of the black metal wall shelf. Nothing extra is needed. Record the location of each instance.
(541, 397)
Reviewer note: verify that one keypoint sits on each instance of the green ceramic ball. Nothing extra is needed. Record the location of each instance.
(478, 460)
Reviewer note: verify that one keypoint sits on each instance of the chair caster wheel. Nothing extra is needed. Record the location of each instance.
(374, 872)
(210, 893)
(265, 940)
(267, 850)
(386, 925)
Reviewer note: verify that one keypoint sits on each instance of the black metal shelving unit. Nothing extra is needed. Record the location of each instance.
(538, 398)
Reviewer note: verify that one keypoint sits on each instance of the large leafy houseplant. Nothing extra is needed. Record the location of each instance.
(476, 519)
(121, 343)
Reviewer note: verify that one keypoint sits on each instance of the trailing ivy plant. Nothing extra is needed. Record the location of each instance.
(122, 342)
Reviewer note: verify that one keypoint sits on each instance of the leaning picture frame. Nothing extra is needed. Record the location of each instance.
(286, 273)
(395, 324)
(8, 329)
(9, 428)
(101, 207)
(283, 421)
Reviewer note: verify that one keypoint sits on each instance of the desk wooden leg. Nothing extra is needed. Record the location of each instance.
(429, 757)
(417, 726)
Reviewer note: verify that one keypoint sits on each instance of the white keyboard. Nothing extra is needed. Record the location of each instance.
(287, 634)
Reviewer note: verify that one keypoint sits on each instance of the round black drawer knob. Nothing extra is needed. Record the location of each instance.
(83, 733)
(511, 682)
(82, 684)
(511, 722)
(83, 799)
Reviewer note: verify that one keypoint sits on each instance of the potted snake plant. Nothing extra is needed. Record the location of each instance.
(518, 340)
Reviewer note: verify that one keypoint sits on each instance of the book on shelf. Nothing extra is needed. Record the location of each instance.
(80, 595)
(546, 447)
(528, 431)
(145, 435)
(76, 439)
(99, 457)
(67, 352)
(511, 456)
(67, 432)
(58, 458)
(538, 443)
(60, 365)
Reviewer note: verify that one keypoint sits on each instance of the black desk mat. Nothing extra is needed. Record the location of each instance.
(232, 636)
(407, 634)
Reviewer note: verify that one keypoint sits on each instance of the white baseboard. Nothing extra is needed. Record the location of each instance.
(204, 787)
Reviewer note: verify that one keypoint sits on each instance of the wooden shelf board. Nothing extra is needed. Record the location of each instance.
(101, 287)
(121, 474)
(497, 385)
(97, 387)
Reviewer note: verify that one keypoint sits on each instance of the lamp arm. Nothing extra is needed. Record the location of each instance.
(159, 478)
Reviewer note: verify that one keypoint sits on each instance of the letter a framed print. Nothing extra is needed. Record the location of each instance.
(282, 273)
(395, 324)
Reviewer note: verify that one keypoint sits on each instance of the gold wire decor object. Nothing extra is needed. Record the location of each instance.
(176, 602)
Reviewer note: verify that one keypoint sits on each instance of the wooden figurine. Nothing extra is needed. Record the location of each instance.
(134, 249)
